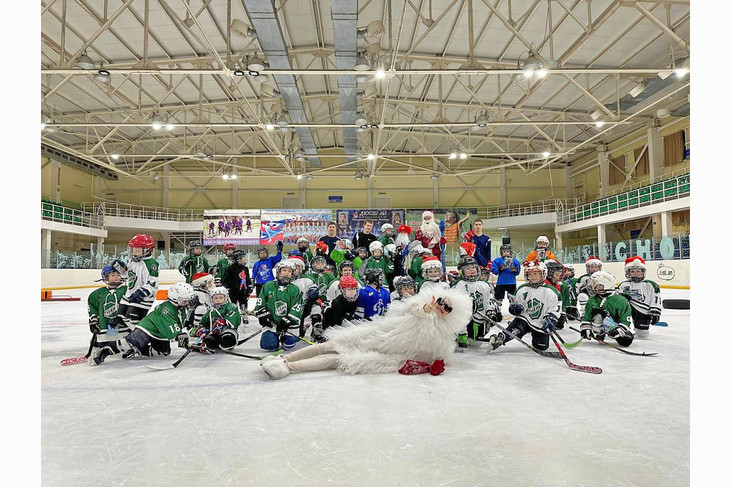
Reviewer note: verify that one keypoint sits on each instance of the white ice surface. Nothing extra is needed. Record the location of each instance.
(511, 418)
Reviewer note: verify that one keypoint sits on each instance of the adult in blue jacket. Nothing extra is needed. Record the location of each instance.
(506, 268)
(263, 270)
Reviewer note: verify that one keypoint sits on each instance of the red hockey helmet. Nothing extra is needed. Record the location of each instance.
(229, 246)
(144, 242)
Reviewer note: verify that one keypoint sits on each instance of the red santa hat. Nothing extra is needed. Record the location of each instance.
(593, 261)
(468, 248)
(429, 262)
(427, 213)
(634, 261)
(201, 278)
(404, 229)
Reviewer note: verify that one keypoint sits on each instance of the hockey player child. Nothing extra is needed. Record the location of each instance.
(571, 304)
(405, 287)
(542, 250)
(319, 276)
(303, 247)
(606, 312)
(218, 328)
(536, 310)
(224, 262)
(507, 268)
(194, 263)
(386, 234)
(202, 285)
(484, 306)
(360, 257)
(377, 260)
(341, 308)
(322, 250)
(152, 335)
(263, 269)
(237, 280)
(554, 277)
(432, 277)
(342, 252)
(373, 299)
(347, 268)
(593, 264)
(643, 296)
(417, 337)
(103, 305)
(142, 280)
(278, 309)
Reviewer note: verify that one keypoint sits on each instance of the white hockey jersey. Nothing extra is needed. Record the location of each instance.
(142, 274)
(431, 286)
(538, 302)
(643, 296)
(206, 303)
(482, 295)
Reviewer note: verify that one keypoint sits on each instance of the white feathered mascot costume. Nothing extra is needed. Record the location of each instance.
(406, 332)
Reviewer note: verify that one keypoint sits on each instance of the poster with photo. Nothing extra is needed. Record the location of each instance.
(288, 226)
(455, 222)
(239, 227)
(350, 222)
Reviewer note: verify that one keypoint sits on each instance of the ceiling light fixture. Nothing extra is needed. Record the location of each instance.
(239, 72)
(115, 156)
(242, 29)
(255, 64)
(681, 67)
(532, 65)
(269, 126)
(85, 62)
(102, 75)
(157, 122)
(362, 63)
(546, 153)
(482, 120)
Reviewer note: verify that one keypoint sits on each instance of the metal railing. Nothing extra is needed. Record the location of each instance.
(533, 208)
(146, 212)
(58, 213)
(650, 194)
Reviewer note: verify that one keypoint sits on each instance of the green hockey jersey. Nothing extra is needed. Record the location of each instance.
(279, 302)
(103, 303)
(615, 305)
(229, 312)
(165, 322)
(191, 265)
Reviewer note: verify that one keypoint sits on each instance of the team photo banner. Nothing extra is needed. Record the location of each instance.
(288, 226)
(239, 227)
(350, 222)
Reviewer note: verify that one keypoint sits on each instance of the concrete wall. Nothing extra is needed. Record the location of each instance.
(678, 270)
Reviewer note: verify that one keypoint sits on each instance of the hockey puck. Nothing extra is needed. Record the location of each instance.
(675, 304)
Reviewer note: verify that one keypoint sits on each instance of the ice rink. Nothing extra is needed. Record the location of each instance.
(511, 418)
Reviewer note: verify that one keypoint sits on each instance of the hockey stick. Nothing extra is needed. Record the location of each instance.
(511, 334)
(661, 323)
(81, 360)
(568, 345)
(177, 362)
(539, 352)
(642, 354)
(250, 337)
(302, 339)
(255, 357)
(571, 365)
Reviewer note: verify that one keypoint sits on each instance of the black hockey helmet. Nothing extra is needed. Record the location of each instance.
(374, 275)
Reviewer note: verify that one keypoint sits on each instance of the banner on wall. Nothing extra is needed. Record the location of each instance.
(239, 227)
(350, 222)
(455, 222)
(289, 225)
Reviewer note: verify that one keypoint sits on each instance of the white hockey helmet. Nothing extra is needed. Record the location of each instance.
(376, 245)
(180, 293)
(386, 226)
(602, 278)
(531, 266)
(390, 249)
(347, 243)
(542, 239)
(219, 291)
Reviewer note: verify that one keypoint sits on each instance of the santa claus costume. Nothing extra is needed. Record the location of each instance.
(429, 234)
(416, 336)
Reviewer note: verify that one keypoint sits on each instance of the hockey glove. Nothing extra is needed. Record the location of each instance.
(94, 324)
(586, 331)
(515, 309)
(183, 339)
(491, 315)
(194, 302)
(571, 312)
(550, 324)
(561, 322)
(414, 367)
(119, 266)
(202, 332)
(218, 326)
(266, 321)
(139, 295)
(312, 293)
(279, 245)
(437, 367)
(655, 315)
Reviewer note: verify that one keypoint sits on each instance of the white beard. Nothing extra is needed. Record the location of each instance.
(402, 240)
(431, 229)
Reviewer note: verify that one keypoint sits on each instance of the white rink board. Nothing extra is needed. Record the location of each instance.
(511, 418)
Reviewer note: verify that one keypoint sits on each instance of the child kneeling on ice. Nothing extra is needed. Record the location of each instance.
(416, 336)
